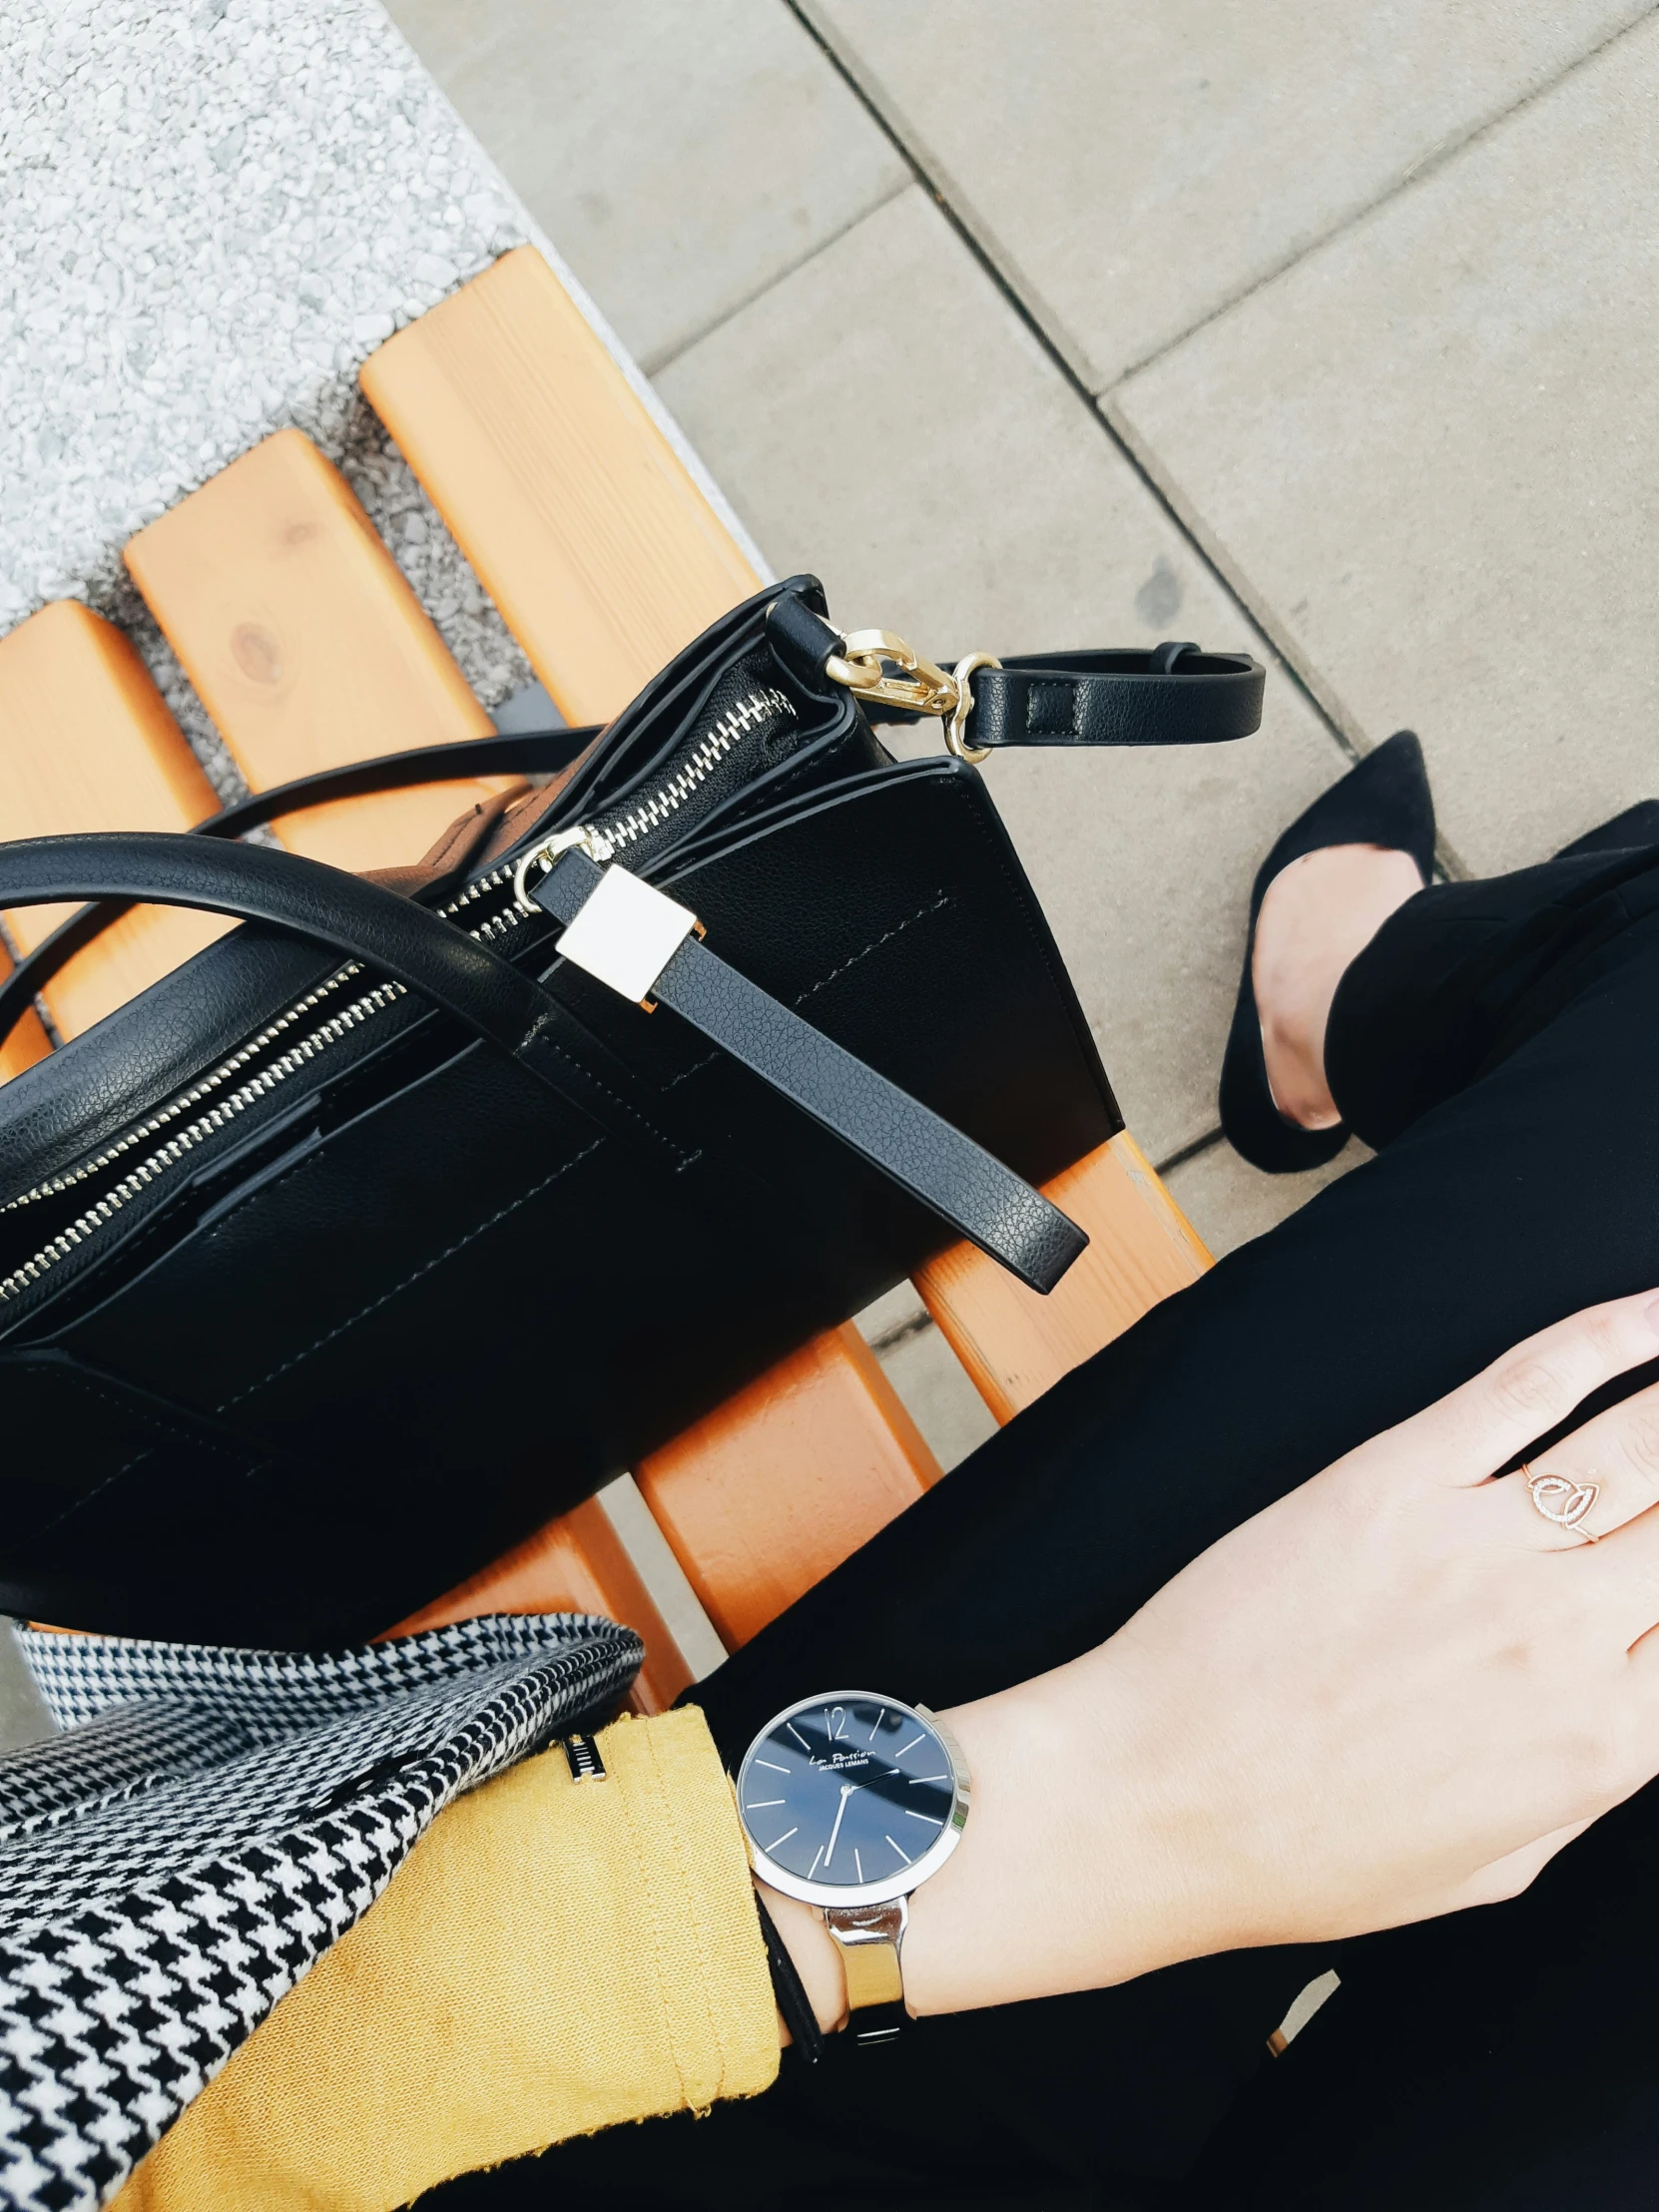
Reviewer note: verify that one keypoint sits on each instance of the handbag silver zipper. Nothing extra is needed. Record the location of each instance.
(602, 843)
(226, 1111)
(759, 706)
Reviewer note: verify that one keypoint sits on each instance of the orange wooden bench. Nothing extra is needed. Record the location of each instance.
(308, 647)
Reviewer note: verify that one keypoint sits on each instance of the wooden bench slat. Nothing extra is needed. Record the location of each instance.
(308, 647)
(764, 1496)
(87, 743)
(577, 1563)
(1015, 1344)
(28, 1042)
(579, 517)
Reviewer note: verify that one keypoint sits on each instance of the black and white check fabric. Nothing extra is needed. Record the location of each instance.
(209, 1824)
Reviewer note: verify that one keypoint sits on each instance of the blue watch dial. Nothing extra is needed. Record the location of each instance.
(846, 1795)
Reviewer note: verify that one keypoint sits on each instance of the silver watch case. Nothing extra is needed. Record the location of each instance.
(863, 1892)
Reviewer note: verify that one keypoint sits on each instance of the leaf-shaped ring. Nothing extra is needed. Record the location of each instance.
(1562, 1500)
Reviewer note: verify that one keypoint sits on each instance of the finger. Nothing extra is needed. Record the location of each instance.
(1465, 1436)
(1588, 1484)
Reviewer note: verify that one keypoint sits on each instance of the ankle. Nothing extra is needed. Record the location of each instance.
(1318, 916)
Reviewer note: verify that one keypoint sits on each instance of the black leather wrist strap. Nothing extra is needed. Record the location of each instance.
(522, 752)
(789, 1991)
(964, 1182)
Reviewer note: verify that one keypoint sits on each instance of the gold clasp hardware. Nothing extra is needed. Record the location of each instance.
(918, 686)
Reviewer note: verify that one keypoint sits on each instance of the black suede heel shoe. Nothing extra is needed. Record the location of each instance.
(1386, 801)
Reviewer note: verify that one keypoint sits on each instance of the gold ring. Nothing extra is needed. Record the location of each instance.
(1562, 1500)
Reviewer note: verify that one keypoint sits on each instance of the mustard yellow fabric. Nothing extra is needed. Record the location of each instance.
(554, 1956)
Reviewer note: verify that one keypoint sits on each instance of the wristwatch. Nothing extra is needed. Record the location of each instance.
(850, 1801)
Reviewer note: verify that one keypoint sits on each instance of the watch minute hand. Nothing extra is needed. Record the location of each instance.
(848, 1788)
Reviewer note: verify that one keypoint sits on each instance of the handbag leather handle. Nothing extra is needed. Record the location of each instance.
(520, 753)
(346, 914)
(980, 1198)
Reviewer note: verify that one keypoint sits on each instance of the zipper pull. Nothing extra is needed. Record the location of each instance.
(541, 857)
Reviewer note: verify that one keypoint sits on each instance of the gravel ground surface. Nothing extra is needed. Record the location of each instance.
(213, 212)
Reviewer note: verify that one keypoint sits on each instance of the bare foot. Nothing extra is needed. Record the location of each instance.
(1318, 913)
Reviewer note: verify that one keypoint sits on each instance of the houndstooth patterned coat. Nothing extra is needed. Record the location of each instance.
(209, 1824)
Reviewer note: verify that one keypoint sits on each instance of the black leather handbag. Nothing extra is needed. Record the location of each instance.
(390, 1224)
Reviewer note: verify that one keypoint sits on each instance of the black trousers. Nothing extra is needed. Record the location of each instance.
(1499, 1044)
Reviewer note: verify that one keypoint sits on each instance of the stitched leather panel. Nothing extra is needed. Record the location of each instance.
(120, 1433)
(922, 1153)
(961, 1181)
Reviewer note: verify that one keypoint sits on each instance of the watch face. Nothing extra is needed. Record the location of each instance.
(850, 1796)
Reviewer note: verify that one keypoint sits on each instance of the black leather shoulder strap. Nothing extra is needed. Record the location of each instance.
(520, 753)
(1170, 694)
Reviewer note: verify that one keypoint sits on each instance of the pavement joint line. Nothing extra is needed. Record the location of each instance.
(1426, 166)
(656, 366)
(1339, 727)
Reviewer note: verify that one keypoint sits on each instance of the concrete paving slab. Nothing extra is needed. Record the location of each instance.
(899, 1313)
(927, 1373)
(1228, 1201)
(1432, 450)
(681, 157)
(663, 1576)
(939, 1396)
(936, 469)
(1132, 168)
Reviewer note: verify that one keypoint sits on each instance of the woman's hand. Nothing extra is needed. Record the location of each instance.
(1397, 1692)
